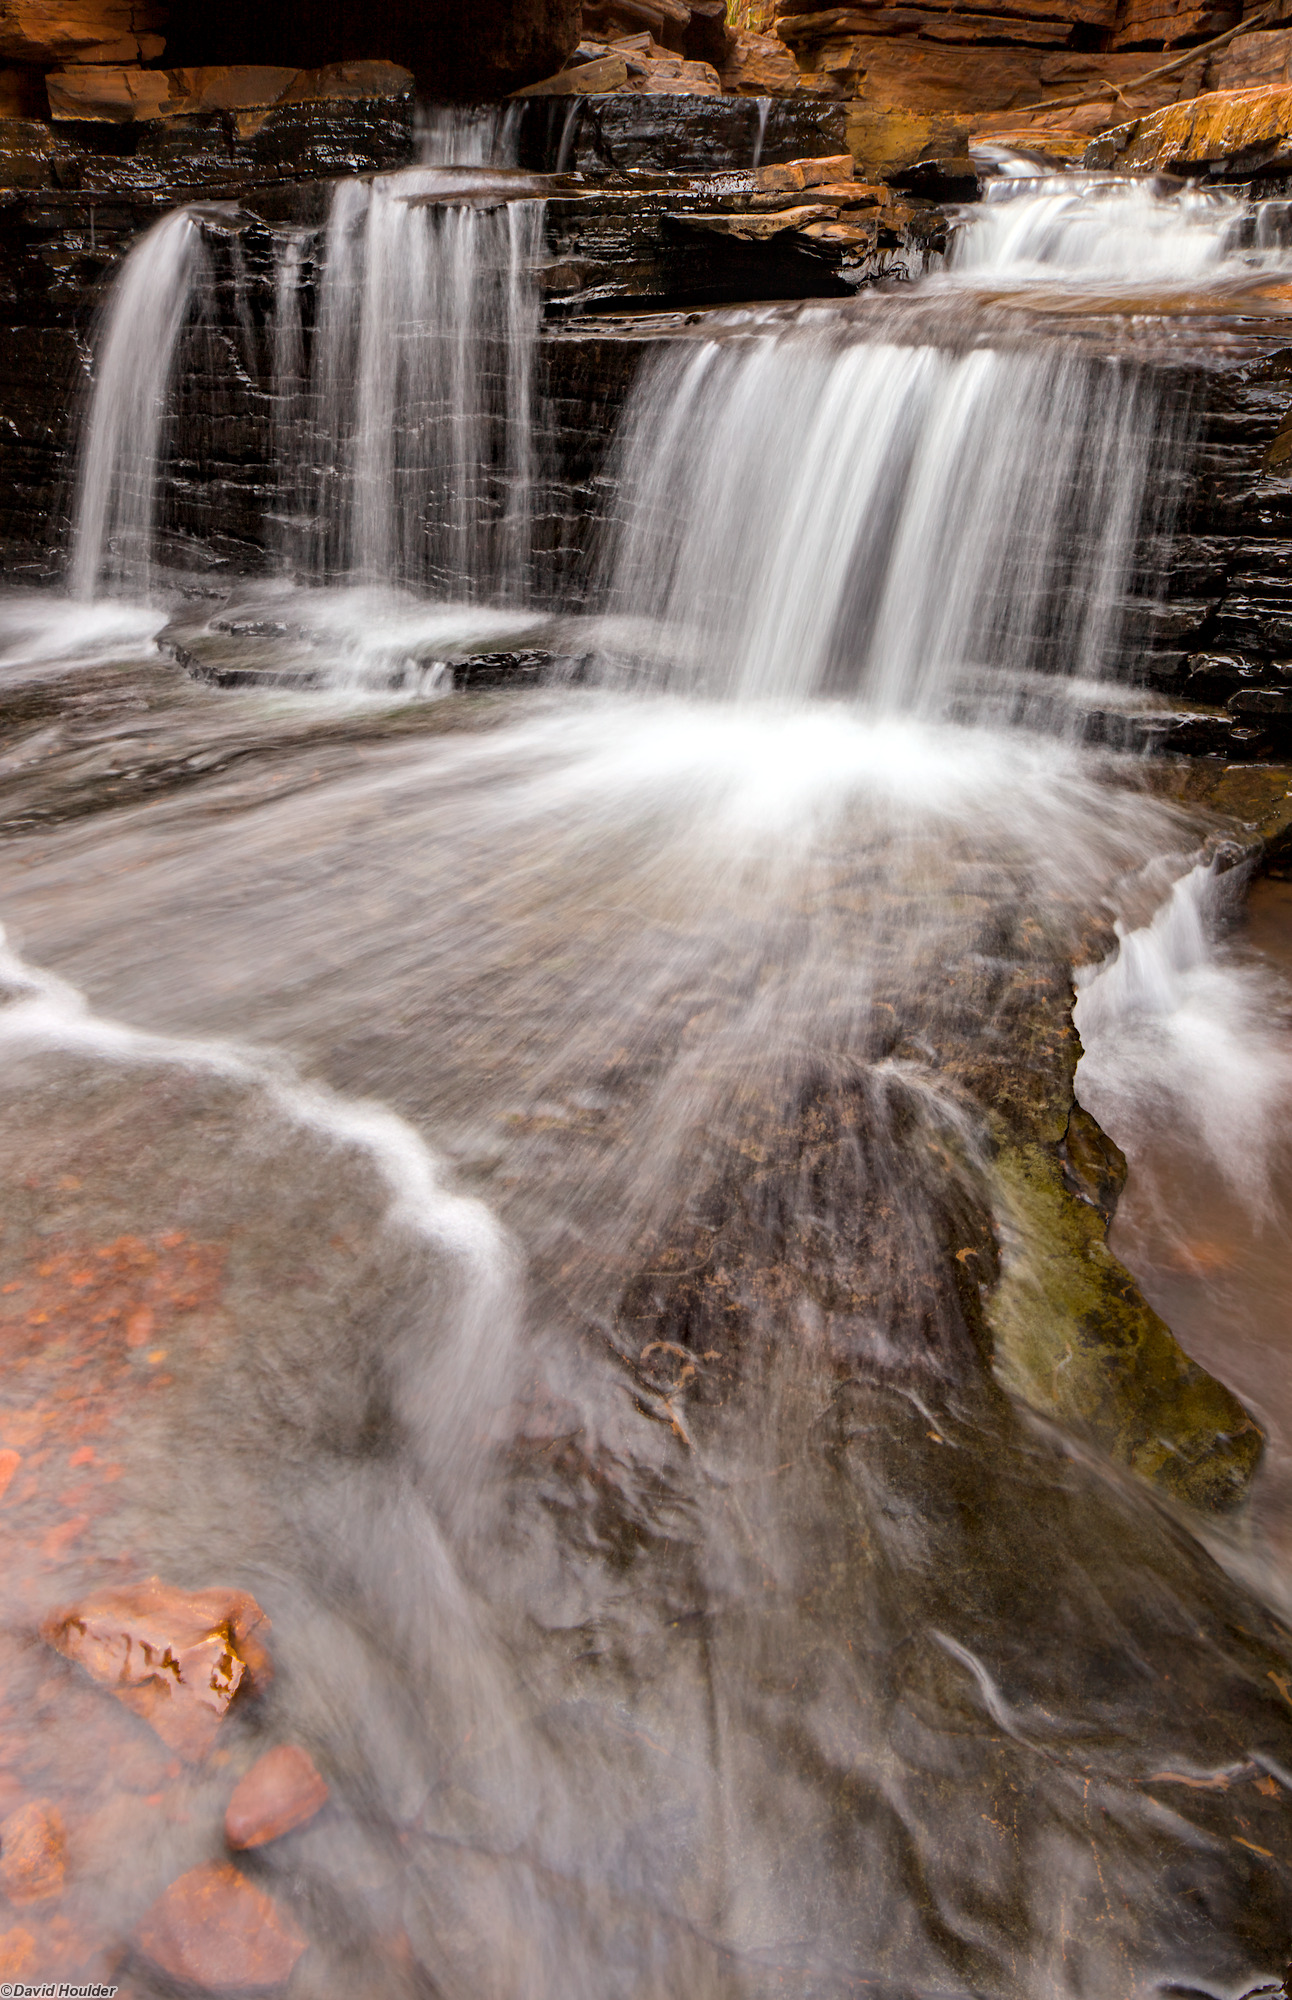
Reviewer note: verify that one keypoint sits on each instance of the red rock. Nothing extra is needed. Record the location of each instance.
(175, 1657)
(281, 1791)
(33, 1853)
(214, 1928)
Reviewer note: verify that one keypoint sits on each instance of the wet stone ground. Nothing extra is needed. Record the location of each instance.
(727, 1523)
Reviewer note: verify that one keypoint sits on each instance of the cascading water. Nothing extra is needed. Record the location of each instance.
(422, 382)
(1099, 228)
(552, 1195)
(124, 439)
(804, 514)
(405, 441)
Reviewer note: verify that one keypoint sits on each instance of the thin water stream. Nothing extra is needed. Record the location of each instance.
(525, 1185)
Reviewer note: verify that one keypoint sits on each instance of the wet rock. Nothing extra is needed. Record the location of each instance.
(1075, 1338)
(214, 1929)
(174, 1657)
(280, 1792)
(48, 32)
(1094, 1166)
(33, 1853)
(1238, 130)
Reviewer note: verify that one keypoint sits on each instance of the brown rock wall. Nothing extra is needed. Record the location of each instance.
(46, 32)
(916, 74)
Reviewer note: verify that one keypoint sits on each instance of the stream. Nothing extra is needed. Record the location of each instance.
(541, 1181)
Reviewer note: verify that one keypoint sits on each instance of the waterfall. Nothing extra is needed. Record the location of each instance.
(1090, 227)
(121, 451)
(804, 513)
(423, 384)
(403, 424)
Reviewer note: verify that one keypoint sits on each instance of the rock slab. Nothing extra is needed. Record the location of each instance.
(175, 1657)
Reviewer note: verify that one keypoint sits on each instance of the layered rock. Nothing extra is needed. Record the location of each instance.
(101, 92)
(1235, 131)
(49, 32)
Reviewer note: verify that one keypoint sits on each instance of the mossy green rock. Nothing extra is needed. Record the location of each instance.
(1075, 1339)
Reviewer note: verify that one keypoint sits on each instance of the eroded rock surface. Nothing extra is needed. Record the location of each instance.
(177, 1658)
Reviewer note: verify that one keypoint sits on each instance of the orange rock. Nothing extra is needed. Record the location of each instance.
(759, 66)
(44, 33)
(9, 1463)
(214, 1928)
(33, 1853)
(175, 1657)
(281, 1791)
(1255, 124)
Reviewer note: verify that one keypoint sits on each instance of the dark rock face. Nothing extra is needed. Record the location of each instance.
(674, 134)
(465, 49)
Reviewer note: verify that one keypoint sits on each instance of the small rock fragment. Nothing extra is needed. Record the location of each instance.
(214, 1928)
(33, 1853)
(281, 1791)
(175, 1657)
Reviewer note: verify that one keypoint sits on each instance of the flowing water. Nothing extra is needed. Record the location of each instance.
(519, 1181)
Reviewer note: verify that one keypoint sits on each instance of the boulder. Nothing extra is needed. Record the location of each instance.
(174, 1657)
(1247, 129)
(33, 1853)
(758, 66)
(708, 38)
(281, 1791)
(597, 78)
(103, 93)
(885, 144)
(48, 32)
(213, 1929)
(666, 21)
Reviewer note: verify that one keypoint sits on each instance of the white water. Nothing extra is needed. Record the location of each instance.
(1175, 1027)
(422, 423)
(124, 439)
(1096, 228)
(803, 513)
